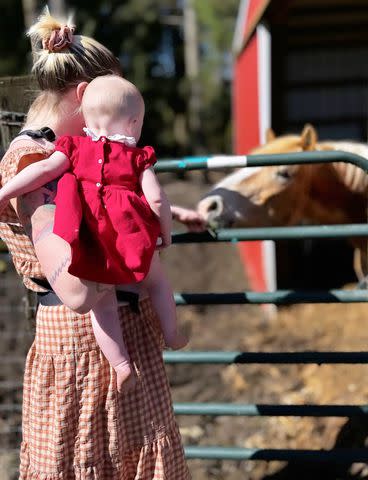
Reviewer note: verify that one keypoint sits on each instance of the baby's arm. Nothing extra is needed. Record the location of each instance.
(159, 289)
(158, 202)
(192, 219)
(34, 176)
(36, 211)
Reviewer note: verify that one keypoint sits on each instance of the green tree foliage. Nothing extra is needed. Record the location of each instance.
(147, 36)
(137, 32)
(216, 19)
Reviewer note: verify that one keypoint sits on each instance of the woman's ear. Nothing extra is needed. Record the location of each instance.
(81, 88)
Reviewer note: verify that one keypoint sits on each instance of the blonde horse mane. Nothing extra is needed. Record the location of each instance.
(353, 177)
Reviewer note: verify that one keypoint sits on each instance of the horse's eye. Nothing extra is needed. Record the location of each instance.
(284, 174)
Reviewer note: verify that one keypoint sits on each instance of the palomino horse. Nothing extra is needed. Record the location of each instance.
(333, 193)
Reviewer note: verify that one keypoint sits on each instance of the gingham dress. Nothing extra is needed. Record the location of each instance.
(75, 424)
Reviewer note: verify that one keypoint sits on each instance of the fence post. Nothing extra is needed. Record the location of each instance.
(16, 95)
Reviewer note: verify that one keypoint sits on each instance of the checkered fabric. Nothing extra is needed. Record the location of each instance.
(76, 426)
(11, 231)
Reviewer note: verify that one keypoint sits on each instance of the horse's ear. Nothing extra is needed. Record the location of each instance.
(309, 137)
(270, 135)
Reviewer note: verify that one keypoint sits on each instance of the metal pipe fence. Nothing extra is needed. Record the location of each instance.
(273, 233)
(336, 455)
(228, 358)
(219, 162)
(280, 297)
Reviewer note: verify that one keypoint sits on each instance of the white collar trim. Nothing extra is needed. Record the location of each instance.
(130, 141)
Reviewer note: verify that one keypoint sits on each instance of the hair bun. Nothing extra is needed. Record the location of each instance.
(59, 39)
(52, 34)
(81, 58)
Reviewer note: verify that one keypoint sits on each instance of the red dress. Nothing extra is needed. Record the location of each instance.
(102, 212)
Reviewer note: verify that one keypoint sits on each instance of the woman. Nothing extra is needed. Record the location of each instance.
(75, 424)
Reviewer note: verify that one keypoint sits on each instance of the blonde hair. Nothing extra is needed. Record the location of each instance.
(80, 61)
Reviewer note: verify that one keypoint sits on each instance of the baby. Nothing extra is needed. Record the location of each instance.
(110, 209)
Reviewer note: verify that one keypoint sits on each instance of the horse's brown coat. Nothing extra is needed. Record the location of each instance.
(334, 193)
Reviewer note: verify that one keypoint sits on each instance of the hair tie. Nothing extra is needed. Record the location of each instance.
(59, 39)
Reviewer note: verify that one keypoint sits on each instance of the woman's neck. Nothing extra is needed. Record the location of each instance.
(58, 112)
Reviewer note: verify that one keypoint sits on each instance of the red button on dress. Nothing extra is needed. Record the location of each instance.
(102, 212)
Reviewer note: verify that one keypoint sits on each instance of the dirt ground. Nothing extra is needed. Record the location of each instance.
(249, 328)
(196, 268)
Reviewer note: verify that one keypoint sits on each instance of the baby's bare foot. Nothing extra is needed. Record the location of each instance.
(125, 378)
(178, 341)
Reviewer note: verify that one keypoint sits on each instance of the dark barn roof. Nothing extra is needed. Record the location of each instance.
(333, 22)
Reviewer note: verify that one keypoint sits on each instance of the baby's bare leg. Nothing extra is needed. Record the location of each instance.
(162, 298)
(54, 255)
(107, 330)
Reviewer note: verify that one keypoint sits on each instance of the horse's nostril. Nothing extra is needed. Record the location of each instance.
(212, 206)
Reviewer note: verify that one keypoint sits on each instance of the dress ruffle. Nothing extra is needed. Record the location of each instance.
(157, 460)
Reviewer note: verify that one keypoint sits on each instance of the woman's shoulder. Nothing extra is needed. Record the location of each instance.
(23, 145)
(21, 152)
(24, 141)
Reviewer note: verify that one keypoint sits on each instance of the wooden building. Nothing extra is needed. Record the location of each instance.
(297, 62)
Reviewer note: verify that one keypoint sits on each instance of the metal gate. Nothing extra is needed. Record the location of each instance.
(280, 297)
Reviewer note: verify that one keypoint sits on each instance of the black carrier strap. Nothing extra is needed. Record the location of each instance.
(50, 299)
(44, 132)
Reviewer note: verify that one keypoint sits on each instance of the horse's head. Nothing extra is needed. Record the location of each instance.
(262, 195)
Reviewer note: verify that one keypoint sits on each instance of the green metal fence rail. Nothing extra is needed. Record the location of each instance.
(336, 455)
(273, 233)
(232, 161)
(280, 297)
(227, 358)
(264, 410)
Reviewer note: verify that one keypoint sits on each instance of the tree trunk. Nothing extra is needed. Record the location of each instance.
(29, 12)
(192, 73)
(57, 8)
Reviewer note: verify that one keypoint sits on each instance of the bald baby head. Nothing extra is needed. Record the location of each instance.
(111, 99)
